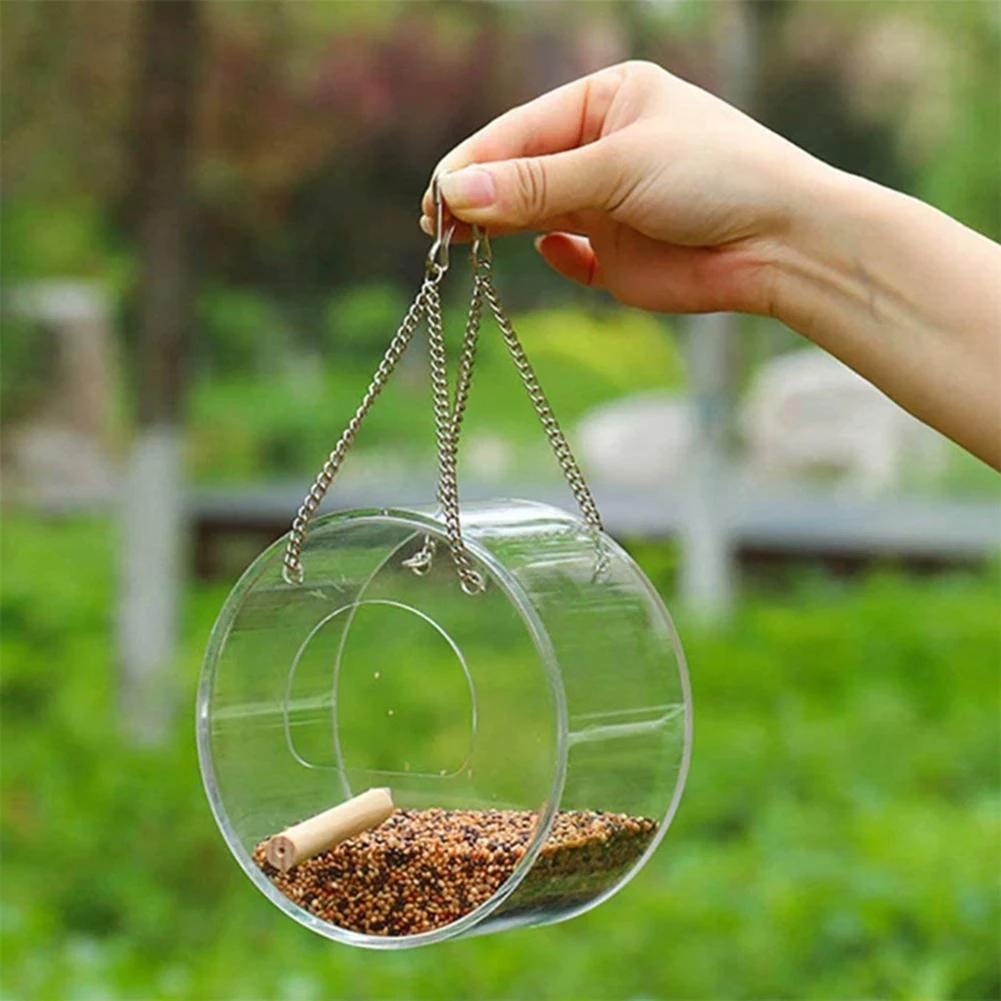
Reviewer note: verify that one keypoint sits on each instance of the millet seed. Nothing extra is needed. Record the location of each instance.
(423, 869)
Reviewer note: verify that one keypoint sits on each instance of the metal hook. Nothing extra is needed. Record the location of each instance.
(437, 261)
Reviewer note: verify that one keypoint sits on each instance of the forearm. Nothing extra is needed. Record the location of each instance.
(906, 296)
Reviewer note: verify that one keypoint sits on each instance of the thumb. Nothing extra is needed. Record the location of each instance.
(524, 193)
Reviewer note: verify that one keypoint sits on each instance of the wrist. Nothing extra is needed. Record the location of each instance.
(899, 292)
(848, 259)
(820, 251)
(802, 254)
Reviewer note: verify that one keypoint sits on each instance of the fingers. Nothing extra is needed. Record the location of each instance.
(652, 275)
(523, 193)
(574, 222)
(463, 232)
(563, 119)
(573, 257)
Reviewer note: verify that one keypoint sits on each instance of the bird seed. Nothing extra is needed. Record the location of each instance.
(423, 869)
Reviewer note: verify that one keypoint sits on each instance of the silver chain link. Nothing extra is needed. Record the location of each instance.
(448, 413)
(483, 269)
(448, 421)
(292, 568)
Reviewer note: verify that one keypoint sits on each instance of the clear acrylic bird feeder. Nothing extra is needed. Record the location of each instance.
(505, 669)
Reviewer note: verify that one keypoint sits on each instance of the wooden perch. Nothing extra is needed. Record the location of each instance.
(303, 841)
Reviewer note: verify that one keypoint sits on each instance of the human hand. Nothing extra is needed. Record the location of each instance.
(642, 184)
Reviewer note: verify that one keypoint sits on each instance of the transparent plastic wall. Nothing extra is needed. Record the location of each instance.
(557, 691)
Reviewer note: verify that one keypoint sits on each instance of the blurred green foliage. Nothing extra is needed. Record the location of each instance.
(239, 333)
(319, 123)
(23, 374)
(55, 240)
(962, 178)
(282, 418)
(360, 321)
(838, 838)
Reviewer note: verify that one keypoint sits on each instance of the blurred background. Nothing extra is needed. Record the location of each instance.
(209, 234)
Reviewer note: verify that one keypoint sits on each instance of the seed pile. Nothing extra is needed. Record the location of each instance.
(423, 869)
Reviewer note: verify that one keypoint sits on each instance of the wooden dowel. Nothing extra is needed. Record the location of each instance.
(303, 841)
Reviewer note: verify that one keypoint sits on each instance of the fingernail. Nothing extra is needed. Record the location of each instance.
(469, 188)
(427, 225)
(537, 242)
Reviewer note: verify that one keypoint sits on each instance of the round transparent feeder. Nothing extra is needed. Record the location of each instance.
(556, 689)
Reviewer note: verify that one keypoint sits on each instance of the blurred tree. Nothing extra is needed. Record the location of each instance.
(160, 188)
(161, 196)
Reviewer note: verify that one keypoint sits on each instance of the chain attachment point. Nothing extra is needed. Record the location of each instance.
(420, 562)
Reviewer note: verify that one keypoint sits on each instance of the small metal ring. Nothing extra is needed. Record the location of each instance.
(435, 271)
(473, 583)
(420, 562)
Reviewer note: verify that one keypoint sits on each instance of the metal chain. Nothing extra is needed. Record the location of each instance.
(448, 421)
(448, 413)
(292, 568)
(483, 267)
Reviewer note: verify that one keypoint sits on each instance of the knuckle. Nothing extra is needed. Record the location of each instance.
(621, 176)
(530, 185)
(643, 70)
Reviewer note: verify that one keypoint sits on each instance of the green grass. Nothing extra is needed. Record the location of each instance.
(839, 836)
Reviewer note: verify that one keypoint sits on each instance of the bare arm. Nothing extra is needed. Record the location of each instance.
(906, 296)
(675, 201)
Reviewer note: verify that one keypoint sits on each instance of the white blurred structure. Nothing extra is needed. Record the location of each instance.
(62, 452)
(151, 570)
(807, 413)
(643, 440)
(489, 458)
(79, 315)
(52, 462)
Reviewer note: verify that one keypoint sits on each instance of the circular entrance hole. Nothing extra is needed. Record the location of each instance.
(379, 687)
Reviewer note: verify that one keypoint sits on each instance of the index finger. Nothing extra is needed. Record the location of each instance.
(562, 119)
